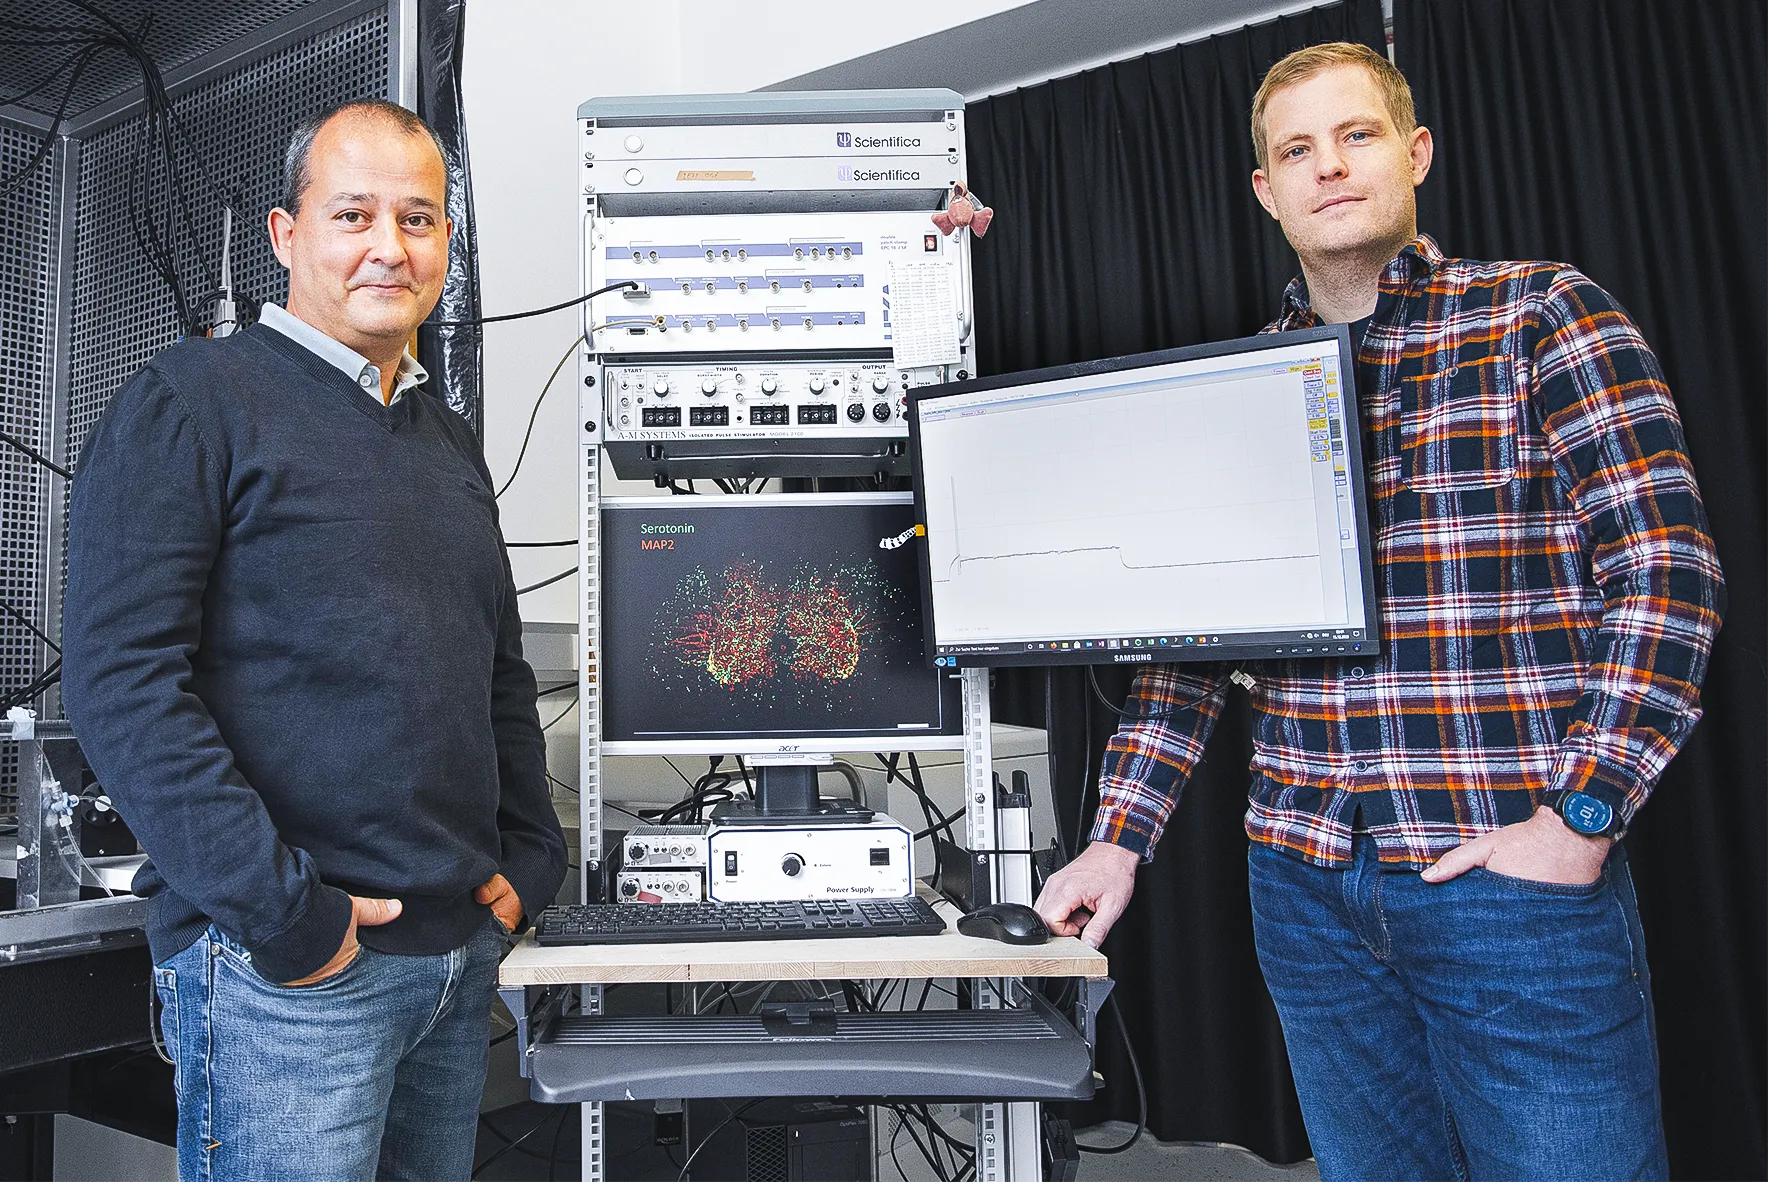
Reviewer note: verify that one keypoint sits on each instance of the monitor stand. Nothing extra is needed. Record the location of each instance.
(786, 794)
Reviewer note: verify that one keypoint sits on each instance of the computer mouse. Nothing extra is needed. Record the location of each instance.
(1011, 923)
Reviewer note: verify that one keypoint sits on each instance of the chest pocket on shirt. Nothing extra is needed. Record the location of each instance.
(1458, 427)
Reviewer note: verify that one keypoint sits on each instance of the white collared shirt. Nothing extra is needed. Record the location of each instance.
(348, 361)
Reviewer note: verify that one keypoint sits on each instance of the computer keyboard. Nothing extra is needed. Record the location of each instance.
(674, 923)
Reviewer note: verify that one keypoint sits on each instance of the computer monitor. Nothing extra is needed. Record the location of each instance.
(1192, 504)
(737, 625)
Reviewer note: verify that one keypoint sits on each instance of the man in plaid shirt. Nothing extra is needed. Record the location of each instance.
(1549, 594)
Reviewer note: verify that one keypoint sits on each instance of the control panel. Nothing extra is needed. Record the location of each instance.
(755, 282)
(775, 399)
(761, 863)
(660, 886)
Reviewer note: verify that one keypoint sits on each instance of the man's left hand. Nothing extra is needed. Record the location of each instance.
(1541, 849)
(502, 898)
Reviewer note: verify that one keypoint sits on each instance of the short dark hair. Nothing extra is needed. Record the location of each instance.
(296, 172)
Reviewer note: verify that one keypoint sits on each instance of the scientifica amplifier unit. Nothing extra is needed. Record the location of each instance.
(765, 863)
(746, 283)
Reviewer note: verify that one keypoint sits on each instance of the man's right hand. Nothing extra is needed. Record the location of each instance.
(1085, 897)
(366, 913)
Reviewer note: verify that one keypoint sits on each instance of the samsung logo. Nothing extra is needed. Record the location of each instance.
(1122, 657)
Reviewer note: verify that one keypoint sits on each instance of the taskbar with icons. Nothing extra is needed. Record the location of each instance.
(1311, 643)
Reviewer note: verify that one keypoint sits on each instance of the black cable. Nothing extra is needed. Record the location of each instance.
(529, 433)
(564, 574)
(582, 299)
(26, 621)
(503, 1138)
(1139, 716)
(716, 1129)
(1129, 1049)
(557, 689)
(570, 706)
(563, 1111)
(552, 1156)
(538, 545)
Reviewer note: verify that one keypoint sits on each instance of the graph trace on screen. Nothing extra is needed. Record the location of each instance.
(1125, 499)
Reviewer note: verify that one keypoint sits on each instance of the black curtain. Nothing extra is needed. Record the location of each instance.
(1627, 137)
(1125, 222)
(453, 356)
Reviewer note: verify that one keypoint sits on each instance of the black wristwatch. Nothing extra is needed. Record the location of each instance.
(1589, 815)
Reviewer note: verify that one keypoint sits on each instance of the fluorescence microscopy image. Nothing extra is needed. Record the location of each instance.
(761, 617)
(752, 630)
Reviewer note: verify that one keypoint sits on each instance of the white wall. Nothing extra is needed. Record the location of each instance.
(529, 63)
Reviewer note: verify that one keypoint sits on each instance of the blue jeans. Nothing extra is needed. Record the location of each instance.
(373, 1073)
(1486, 1027)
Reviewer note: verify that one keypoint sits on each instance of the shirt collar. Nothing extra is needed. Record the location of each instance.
(1417, 260)
(353, 365)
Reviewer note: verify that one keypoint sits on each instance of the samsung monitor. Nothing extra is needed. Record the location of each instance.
(785, 623)
(1193, 504)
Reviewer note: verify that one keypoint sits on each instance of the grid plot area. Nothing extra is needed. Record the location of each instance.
(198, 27)
(25, 236)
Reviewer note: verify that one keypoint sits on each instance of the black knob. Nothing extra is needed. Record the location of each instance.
(629, 888)
(635, 853)
(791, 864)
(881, 411)
(856, 411)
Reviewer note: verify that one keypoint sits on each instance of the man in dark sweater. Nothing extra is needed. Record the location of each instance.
(293, 657)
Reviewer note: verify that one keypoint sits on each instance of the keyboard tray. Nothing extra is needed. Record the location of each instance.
(1027, 1053)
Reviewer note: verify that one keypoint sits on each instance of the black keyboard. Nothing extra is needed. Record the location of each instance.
(676, 923)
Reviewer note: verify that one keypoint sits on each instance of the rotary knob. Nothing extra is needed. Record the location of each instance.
(660, 387)
(816, 384)
(880, 383)
(709, 387)
(770, 385)
(791, 865)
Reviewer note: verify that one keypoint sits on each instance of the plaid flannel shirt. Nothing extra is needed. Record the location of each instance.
(1548, 589)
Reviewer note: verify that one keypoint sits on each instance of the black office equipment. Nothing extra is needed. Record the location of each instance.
(1010, 923)
(1192, 504)
(766, 625)
(672, 923)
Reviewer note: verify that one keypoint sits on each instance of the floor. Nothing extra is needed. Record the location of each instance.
(546, 1146)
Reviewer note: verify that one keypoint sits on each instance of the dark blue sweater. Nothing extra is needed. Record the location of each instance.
(293, 657)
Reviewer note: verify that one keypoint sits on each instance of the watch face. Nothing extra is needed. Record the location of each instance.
(1586, 813)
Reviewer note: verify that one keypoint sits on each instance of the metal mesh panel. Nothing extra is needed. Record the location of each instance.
(766, 1153)
(25, 247)
(240, 123)
(196, 28)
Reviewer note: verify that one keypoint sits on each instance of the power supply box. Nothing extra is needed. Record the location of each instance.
(753, 863)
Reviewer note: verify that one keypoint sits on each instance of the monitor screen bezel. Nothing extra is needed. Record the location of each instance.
(1258, 650)
(880, 741)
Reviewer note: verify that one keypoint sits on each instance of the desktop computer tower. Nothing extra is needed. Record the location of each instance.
(800, 1140)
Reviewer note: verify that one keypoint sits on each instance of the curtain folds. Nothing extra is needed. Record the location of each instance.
(1624, 136)
(1627, 137)
(1125, 222)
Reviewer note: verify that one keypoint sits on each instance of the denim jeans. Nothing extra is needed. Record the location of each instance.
(373, 1073)
(1486, 1027)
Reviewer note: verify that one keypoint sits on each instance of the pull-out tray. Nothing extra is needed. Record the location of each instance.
(1026, 1053)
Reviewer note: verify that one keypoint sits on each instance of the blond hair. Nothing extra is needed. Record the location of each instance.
(1303, 64)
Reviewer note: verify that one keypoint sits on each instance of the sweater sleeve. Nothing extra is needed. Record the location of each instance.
(531, 839)
(146, 521)
(533, 856)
